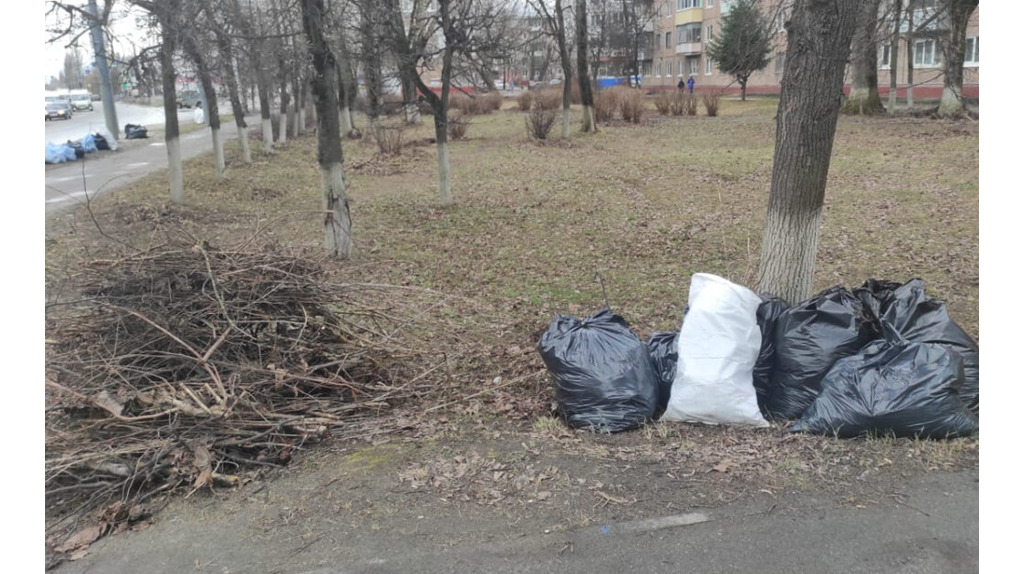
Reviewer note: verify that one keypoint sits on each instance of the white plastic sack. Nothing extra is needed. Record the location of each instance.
(199, 116)
(718, 347)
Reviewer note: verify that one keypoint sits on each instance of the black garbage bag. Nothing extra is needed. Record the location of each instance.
(604, 378)
(135, 132)
(892, 387)
(77, 146)
(101, 142)
(767, 315)
(809, 338)
(664, 349)
(922, 319)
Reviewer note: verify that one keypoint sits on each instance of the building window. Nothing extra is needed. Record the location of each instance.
(710, 33)
(688, 33)
(926, 53)
(780, 63)
(710, 4)
(971, 52)
(668, 39)
(694, 65)
(687, 4)
(657, 70)
(679, 68)
(885, 56)
(708, 65)
(645, 69)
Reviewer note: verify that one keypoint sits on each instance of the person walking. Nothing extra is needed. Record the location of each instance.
(680, 85)
(689, 84)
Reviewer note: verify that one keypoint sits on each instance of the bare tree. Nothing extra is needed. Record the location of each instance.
(952, 102)
(196, 54)
(864, 98)
(894, 50)
(582, 68)
(819, 35)
(248, 24)
(554, 26)
(337, 219)
(226, 50)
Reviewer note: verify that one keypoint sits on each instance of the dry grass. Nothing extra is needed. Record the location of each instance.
(532, 224)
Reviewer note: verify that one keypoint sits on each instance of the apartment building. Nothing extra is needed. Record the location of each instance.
(683, 30)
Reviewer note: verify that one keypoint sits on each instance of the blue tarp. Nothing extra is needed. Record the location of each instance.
(609, 82)
(69, 152)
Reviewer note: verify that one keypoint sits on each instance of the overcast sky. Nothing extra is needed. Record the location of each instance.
(123, 28)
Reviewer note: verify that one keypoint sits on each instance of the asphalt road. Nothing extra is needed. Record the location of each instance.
(933, 530)
(84, 122)
(69, 184)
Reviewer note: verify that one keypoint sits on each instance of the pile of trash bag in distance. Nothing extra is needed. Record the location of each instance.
(884, 359)
(73, 150)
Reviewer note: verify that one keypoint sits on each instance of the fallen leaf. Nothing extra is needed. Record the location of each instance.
(79, 554)
(83, 537)
(722, 466)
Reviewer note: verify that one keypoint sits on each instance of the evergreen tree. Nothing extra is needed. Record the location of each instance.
(743, 45)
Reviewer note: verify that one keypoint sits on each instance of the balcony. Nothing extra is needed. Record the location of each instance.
(689, 16)
(688, 48)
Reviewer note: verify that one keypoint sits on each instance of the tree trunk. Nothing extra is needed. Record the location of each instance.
(348, 88)
(864, 98)
(212, 110)
(818, 42)
(337, 219)
(345, 115)
(168, 33)
(444, 170)
(263, 87)
(952, 102)
(282, 122)
(106, 89)
(296, 104)
(910, 54)
(743, 89)
(563, 53)
(404, 57)
(582, 71)
(231, 73)
(894, 49)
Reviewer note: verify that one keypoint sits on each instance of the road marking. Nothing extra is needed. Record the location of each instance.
(60, 179)
(157, 143)
(138, 164)
(70, 196)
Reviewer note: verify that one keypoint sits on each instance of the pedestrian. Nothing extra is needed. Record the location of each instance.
(689, 84)
(680, 85)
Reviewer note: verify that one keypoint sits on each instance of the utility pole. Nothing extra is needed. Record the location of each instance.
(106, 90)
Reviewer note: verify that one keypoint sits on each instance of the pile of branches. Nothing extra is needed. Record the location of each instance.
(187, 367)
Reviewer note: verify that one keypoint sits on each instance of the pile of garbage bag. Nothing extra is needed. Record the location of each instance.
(76, 149)
(135, 132)
(883, 359)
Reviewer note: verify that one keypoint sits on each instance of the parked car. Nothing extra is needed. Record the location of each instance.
(189, 99)
(58, 111)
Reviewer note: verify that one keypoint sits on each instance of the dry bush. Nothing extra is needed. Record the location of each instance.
(663, 102)
(710, 104)
(605, 103)
(493, 101)
(677, 105)
(548, 99)
(575, 97)
(690, 104)
(539, 123)
(457, 125)
(459, 102)
(631, 106)
(389, 137)
(525, 101)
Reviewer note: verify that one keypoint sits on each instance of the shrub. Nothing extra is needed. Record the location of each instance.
(388, 137)
(710, 104)
(631, 106)
(575, 98)
(677, 104)
(605, 103)
(493, 101)
(525, 101)
(548, 99)
(690, 102)
(663, 102)
(457, 126)
(539, 123)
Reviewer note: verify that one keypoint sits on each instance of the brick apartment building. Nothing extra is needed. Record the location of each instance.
(683, 29)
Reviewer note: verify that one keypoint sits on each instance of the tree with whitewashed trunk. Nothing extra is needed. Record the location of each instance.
(229, 72)
(469, 29)
(894, 51)
(952, 102)
(863, 98)
(248, 24)
(582, 68)
(337, 219)
(195, 53)
(347, 86)
(818, 45)
(166, 13)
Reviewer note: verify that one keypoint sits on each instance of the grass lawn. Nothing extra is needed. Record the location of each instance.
(535, 223)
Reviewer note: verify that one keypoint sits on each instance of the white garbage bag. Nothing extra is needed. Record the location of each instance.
(718, 347)
(199, 116)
